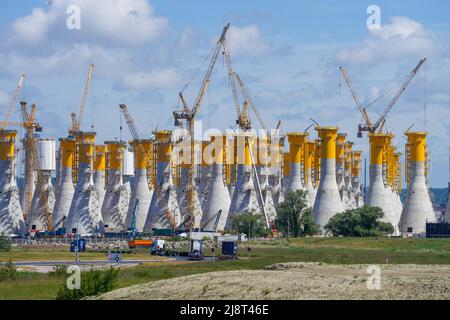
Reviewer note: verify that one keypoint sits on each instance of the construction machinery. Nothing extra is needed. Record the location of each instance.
(76, 122)
(189, 114)
(32, 153)
(368, 125)
(13, 102)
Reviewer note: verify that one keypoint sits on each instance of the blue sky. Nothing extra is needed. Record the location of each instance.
(287, 52)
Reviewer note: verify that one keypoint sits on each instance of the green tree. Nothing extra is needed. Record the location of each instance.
(5, 243)
(360, 222)
(93, 282)
(249, 220)
(294, 217)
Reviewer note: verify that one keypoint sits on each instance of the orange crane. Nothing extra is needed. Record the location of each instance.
(368, 125)
(134, 133)
(189, 115)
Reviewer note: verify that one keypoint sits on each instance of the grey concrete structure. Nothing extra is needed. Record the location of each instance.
(37, 219)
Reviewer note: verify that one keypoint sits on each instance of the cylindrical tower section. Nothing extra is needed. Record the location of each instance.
(310, 150)
(418, 209)
(328, 201)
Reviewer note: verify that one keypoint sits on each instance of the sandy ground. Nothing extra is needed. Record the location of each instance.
(300, 281)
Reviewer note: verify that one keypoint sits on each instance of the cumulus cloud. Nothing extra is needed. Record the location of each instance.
(155, 79)
(130, 22)
(247, 40)
(401, 38)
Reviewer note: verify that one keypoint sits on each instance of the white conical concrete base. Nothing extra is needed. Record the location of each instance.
(163, 200)
(328, 200)
(182, 197)
(85, 211)
(311, 192)
(36, 218)
(357, 193)
(378, 196)
(11, 216)
(245, 197)
(276, 183)
(267, 193)
(141, 192)
(64, 196)
(99, 184)
(418, 208)
(117, 200)
(218, 200)
(203, 186)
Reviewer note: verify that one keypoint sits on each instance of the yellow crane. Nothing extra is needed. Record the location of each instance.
(5, 122)
(31, 150)
(74, 130)
(189, 115)
(368, 125)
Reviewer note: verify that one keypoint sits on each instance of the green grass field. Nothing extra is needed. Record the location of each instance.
(327, 250)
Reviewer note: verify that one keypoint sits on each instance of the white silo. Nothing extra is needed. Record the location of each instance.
(217, 202)
(164, 211)
(418, 208)
(66, 189)
(37, 219)
(85, 215)
(11, 216)
(328, 200)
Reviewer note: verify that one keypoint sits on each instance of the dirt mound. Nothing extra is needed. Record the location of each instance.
(299, 281)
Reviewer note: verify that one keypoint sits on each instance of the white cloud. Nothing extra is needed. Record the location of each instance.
(131, 22)
(155, 79)
(401, 38)
(247, 40)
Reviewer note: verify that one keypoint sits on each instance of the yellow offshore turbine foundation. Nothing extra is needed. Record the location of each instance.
(417, 209)
(11, 216)
(85, 215)
(297, 143)
(328, 200)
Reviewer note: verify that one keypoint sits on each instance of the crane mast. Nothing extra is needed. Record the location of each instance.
(4, 123)
(32, 152)
(189, 115)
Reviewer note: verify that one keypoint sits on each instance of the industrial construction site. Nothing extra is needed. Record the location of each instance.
(254, 211)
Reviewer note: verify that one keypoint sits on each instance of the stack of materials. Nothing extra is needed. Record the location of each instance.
(11, 217)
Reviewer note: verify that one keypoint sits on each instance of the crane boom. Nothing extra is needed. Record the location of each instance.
(399, 93)
(4, 123)
(76, 121)
(356, 97)
(31, 149)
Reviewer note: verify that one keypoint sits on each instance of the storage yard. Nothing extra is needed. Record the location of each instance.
(178, 195)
